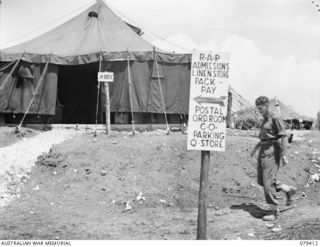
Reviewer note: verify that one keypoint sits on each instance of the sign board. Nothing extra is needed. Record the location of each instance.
(208, 101)
(105, 76)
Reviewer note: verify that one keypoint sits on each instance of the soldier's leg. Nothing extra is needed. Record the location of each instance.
(288, 190)
(259, 173)
(269, 172)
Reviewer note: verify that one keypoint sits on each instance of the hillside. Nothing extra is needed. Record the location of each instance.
(146, 187)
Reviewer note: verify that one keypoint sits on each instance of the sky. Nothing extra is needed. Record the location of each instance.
(274, 45)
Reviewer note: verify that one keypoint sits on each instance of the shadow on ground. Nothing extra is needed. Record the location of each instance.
(252, 209)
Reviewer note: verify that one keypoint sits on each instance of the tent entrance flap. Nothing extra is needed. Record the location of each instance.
(77, 93)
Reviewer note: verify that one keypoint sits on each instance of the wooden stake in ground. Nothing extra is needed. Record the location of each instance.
(202, 207)
(106, 77)
(108, 128)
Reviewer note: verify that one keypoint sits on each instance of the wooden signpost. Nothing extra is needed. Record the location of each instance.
(207, 117)
(106, 77)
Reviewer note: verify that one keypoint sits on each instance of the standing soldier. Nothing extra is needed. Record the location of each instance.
(273, 147)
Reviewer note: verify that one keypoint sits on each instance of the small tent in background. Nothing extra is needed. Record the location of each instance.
(292, 118)
(66, 60)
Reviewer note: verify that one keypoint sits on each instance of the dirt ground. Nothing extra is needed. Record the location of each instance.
(146, 187)
(17, 159)
(8, 137)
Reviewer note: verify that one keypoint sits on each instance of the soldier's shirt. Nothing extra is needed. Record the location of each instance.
(272, 127)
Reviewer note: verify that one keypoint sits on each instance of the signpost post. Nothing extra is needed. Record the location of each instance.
(207, 117)
(106, 77)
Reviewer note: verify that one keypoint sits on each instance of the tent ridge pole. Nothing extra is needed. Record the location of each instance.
(108, 121)
(98, 94)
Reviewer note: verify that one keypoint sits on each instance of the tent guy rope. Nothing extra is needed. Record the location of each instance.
(45, 25)
(34, 93)
(163, 104)
(10, 74)
(6, 66)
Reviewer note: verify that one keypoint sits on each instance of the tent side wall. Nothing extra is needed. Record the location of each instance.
(175, 85)
(146, 92)
(17, 92)
(153, 81)
(119, 89)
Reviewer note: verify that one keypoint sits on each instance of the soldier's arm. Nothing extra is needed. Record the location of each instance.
(279, 124)
(254, 150)
(284, 142)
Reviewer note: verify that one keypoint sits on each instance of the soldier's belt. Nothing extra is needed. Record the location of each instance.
(269, 141)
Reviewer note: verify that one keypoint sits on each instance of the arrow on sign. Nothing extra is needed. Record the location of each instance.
(209, 100)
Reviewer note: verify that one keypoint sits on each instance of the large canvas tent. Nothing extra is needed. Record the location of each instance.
(68, 58)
